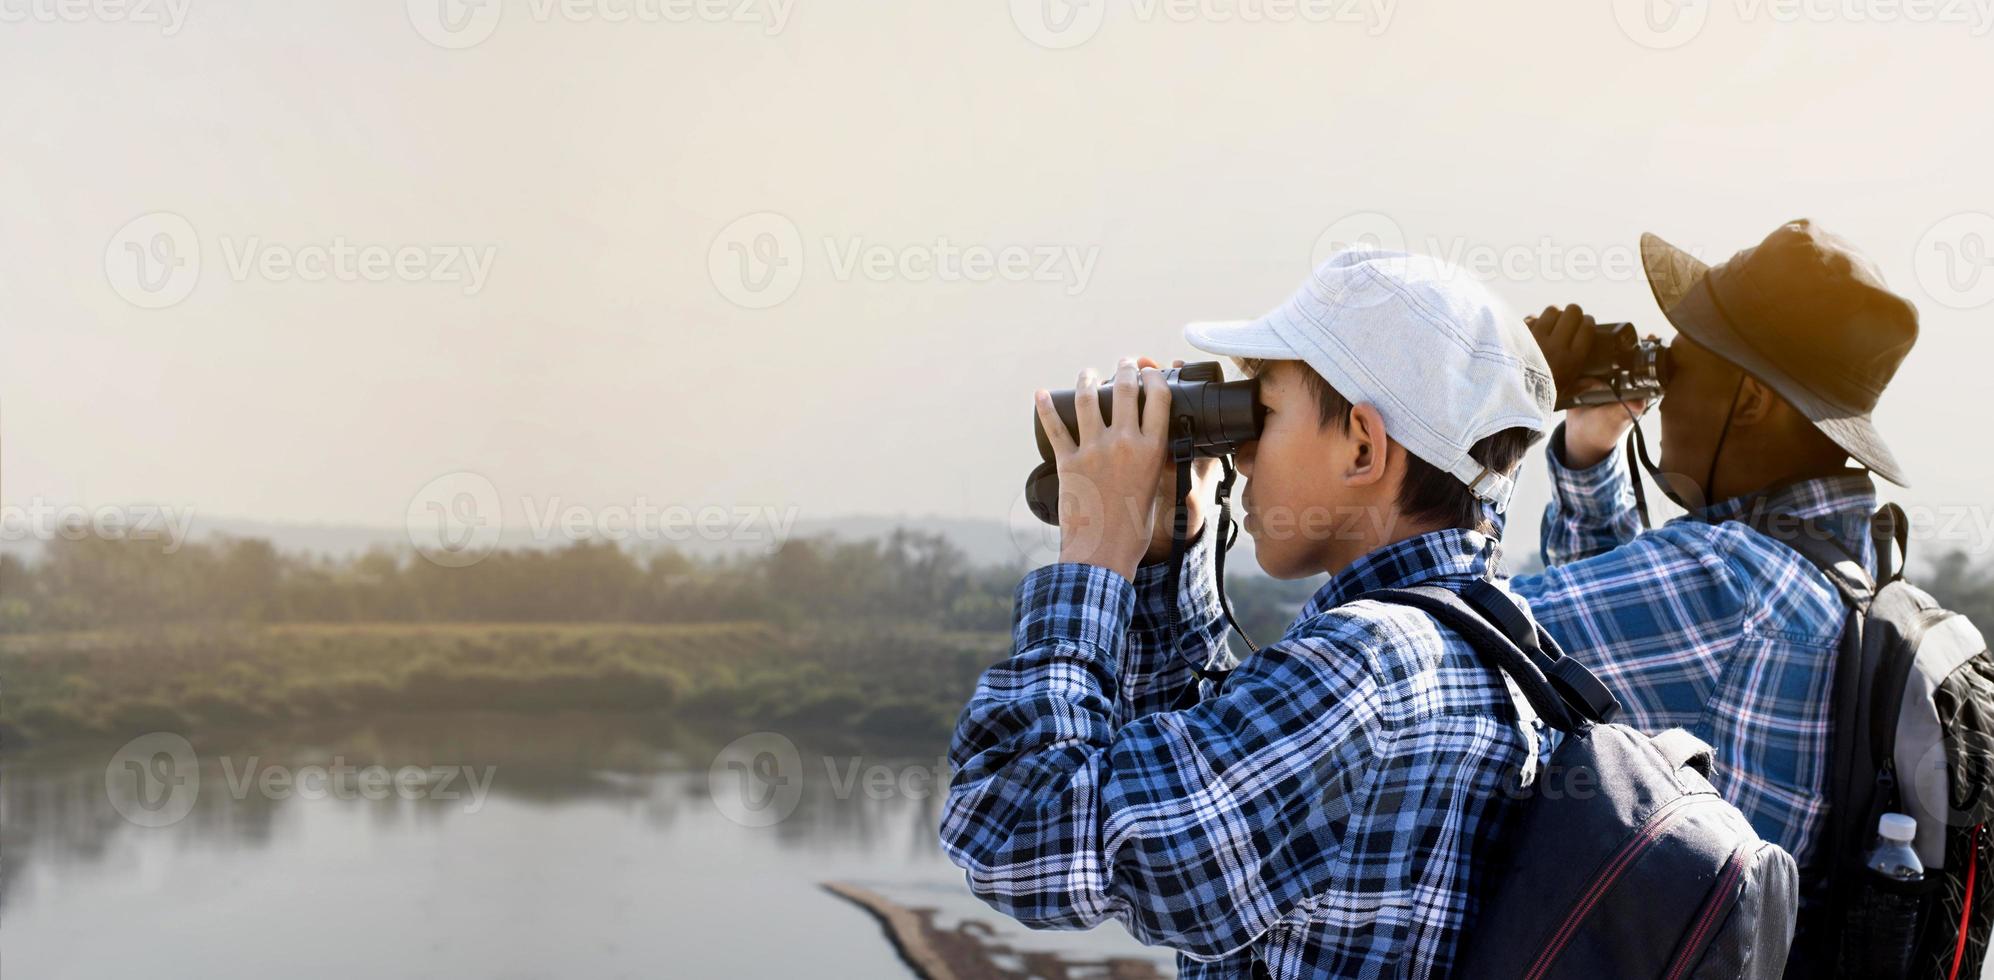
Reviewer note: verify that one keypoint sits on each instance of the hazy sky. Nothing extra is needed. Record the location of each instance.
(514, 249)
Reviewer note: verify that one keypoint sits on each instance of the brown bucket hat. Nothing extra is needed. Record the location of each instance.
(1806, 314)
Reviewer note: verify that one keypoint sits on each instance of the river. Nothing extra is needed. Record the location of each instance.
(598, 847)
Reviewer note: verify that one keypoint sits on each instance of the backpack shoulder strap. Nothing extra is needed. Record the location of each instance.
(1563, 691)
(1851, 760)
(1890, 524)
(1574, 682)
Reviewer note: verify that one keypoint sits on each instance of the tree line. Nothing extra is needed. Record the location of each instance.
(94, 583)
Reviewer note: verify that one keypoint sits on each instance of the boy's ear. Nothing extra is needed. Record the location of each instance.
(1364, 461)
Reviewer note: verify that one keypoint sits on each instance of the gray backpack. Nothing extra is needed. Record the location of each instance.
(1912, 732)
(1624, 861)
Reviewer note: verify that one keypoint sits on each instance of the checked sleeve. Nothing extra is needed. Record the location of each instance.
(1155, 677)
(1196, 829)
(1591, 510)
(1654, 614)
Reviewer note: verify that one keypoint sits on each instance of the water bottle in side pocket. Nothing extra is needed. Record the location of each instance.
(1885, 926)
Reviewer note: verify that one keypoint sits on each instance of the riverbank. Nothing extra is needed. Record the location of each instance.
(884, 677)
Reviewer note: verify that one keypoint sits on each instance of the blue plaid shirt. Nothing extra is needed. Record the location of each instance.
(1324, 810)
(1708, 625)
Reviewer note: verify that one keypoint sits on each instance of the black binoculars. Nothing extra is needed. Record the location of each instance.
(1631, 367)
(1209, 416)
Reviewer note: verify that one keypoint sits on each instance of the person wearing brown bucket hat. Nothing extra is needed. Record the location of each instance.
(1709, 623)
(1806, 315)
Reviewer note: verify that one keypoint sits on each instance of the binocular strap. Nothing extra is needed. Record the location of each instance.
(1228, 532)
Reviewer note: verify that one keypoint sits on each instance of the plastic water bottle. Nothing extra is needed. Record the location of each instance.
(1887, 914)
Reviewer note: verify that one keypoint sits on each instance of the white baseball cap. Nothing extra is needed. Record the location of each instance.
(1441, 359)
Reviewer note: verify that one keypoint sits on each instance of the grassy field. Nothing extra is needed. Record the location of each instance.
(888, 677)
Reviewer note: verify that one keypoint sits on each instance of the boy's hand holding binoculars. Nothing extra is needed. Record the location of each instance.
(1567, 338)
(1116, 483)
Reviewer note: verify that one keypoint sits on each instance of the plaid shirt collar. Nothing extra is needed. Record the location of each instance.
(1843, 503)
(1449, 553)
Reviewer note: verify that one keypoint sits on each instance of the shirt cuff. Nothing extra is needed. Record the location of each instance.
(1075, 603)
(1595, 491)
(1197, 600)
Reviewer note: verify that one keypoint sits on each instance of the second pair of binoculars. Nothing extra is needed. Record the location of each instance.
(1632, 367)
(1213, 417)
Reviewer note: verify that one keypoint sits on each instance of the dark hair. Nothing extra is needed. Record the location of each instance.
(1429, 494)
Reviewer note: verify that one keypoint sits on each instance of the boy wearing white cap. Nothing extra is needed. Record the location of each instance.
(1323, 810)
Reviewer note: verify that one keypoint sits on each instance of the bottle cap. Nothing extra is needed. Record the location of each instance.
(1897, 826)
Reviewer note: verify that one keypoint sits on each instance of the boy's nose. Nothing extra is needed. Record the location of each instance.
(1243, 458)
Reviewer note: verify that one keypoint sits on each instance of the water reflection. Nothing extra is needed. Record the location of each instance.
(54, 801)
(973, 950)
(608, 823)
